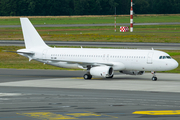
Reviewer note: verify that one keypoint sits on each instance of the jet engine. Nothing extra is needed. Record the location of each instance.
(102, 71)
(133, 72)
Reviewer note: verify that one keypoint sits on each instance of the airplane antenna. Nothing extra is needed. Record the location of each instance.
(152, 48)
(81, 47)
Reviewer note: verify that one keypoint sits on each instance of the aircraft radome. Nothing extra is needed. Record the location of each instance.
(97, 62)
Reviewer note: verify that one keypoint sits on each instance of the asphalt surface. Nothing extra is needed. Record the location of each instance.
(21, 99)
(81, 25)
(160, 46)
(10, 75)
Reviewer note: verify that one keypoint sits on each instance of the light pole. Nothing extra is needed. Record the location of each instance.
(115, 21)
(131, 17)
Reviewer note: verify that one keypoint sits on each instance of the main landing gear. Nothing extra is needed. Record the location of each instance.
(87, 76)
(154, 78)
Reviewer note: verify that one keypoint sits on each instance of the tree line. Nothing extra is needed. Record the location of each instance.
(86, 7)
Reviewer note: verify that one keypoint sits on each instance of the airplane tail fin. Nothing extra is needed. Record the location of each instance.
(31, 37)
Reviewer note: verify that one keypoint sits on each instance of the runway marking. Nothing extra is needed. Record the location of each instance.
(82, 114)
(10, 94)
(160, 112)
(46, 116)
(62, 115)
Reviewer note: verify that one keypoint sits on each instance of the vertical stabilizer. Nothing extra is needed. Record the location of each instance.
(31, 37)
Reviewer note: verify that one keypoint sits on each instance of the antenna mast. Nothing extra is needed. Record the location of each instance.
(131, 17)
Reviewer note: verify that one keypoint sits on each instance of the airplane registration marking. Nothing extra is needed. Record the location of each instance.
(159, 112)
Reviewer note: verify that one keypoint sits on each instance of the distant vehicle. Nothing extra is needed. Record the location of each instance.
(97, 62)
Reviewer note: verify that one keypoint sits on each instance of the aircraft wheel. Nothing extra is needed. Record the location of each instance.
(86, 76)
(154, 78)
(90, 76)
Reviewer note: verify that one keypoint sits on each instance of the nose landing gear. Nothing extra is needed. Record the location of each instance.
(154, 78)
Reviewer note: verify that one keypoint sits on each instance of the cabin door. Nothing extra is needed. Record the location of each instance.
(149, 58)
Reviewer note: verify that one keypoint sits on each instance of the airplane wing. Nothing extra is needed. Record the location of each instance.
(82, 64)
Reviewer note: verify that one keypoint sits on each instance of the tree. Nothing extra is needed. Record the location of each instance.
(141, 6)
(86, 7)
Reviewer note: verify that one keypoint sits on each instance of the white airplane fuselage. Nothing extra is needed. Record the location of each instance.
(122, 59)
(98, 62)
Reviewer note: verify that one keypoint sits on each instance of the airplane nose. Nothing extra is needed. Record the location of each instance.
(174, 64)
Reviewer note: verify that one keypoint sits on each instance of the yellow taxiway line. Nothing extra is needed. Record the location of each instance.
(159, 112)
(63, 116)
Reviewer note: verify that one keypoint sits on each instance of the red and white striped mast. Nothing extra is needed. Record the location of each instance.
(131, 17)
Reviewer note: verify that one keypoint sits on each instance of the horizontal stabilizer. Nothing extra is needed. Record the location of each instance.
(25, 52)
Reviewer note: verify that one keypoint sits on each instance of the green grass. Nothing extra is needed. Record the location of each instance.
(92, 20)
(15, 61)
(159, 33)
(146, 33)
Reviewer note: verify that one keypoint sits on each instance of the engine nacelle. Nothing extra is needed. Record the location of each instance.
(102, 71)
(132, 72)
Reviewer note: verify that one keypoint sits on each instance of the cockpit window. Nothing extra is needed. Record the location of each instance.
(168, 57)
(164, 57)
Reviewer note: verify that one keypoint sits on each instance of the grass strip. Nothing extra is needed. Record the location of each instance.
(90, 19)
(153, 34)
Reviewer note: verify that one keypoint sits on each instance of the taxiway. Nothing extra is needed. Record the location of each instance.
(81, 25)
(54, 94)
(159, 46)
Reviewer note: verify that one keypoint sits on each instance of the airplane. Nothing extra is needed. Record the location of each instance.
(98, 62)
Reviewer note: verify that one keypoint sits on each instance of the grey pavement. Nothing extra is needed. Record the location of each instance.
(160, 46)
(54, 94)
